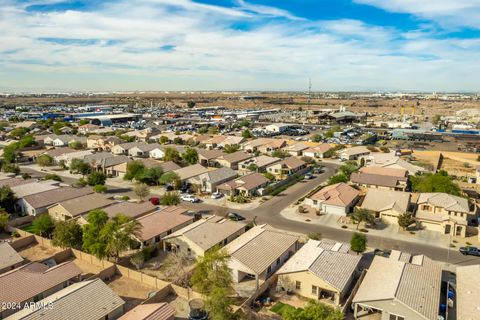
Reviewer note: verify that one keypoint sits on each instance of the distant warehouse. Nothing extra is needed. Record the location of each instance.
(108, 119)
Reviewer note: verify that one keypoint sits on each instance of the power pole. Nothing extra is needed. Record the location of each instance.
(309, 93)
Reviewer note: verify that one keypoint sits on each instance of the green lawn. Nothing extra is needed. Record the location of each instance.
(279, 308)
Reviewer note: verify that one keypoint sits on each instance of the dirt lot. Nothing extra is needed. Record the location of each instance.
(133, 292)
(37, 252)
(455, 163)
(88, 269)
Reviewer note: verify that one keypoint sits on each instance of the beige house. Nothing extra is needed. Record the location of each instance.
(75, 208)
(91, 299)
(233, 159)
(296, 149)
(260, 163)
(150, 311)
(249, 185)
(318, 151)
(259, 252)
(400, 287)
(337, 199)
(386, 204)
(286, 167)
(353, 153)
(380, 177)
(444, 213)
(320, 270)
(197, 238)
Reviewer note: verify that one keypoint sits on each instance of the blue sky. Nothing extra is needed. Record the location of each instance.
(92, 45)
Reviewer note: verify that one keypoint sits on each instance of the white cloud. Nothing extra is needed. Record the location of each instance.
(448, 13)
(125, 50)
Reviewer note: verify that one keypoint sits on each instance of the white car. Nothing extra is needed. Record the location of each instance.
(189, 198)
(216, 195)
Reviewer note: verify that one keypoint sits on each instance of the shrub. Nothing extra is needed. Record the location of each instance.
(52, 176)
(100, 188)
(125, 198)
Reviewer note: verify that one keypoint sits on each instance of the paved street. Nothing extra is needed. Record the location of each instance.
(269, 212)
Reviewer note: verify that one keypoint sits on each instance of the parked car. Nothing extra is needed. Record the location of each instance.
(189, 198)
(470, 251)
(309, 176)
(235, 216)
(154, 200)
(217, 195)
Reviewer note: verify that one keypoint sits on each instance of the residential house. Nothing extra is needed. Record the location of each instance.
(468, 292)
(231, 140)
(65, 140)
(318, 151)
(286, 167)
(249, 185)
(101, 143)
(33, 282)
(108, 163)
(76, 207)
(296, 149)
(124, 147)
(130, 209)
(322, 271)
(232, 160)
(150, 311)
(91, 299)
(189, 172)
(9, 258)
(197, 238)
(161, 223)
(152, 150)
(444, 213)
(34, 187)
(264, 145)
(354, 153)
(56, 153)
(214, 141)
(144, 134)
(400, 287)
(208, 181)
(338, 199)
(87, 128)
(208, 158)
(381, 178)
(259, 252)
(389, 160)
(67, 158)
(387, 204)
(38, 203)
(259, 164)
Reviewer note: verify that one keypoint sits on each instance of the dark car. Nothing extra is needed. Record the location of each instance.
(154, 200)
(235, 216)
(470, 251)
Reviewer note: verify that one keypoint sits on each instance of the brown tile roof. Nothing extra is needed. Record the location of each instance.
(150, 311)
(248, 182)
(376, 179)
(401, 173)
(130, 209)
(27, 281)
(237, 156)
(340, 194)
(81, 205)
(292, 162)
(161, 221)
(59, 151)
(12, 182)
(47, 198)
(8, 256)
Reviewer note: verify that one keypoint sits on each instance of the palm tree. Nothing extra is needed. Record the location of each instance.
(117, 234)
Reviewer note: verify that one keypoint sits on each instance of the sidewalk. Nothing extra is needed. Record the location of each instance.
(391, 231)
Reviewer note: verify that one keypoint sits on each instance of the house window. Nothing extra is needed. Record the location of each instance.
(157, 239)
(315, 202)
(314, 290)
(189, 251)
(396, 317)
(269, 269)
(298, 285)
(278, 261)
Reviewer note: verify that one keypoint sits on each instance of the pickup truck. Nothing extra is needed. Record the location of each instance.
(470, 251)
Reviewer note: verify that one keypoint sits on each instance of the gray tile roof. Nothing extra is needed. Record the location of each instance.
(87, 300)
(221, 174)
(376, 179)
(416, 283)
(130, 209)
(81, 205)
(468, 292)
(8, 256)
(330, 261)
